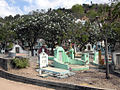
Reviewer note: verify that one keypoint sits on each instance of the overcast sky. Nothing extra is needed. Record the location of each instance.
(13, 7)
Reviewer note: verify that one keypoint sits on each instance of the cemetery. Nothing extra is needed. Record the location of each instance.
(69, 47)
(63, 66)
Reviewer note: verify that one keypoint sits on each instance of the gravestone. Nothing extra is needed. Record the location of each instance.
(2, 51)
(96, 58)
(60, 55)
(85, 57)
(71, 53)
(17, 51)
(45, 50)
(116, 56)
(89, 47)
(43, 60)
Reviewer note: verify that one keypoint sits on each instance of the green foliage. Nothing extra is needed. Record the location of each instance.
(10, 45)
(78, 9)
(92, 14)
(21, 62)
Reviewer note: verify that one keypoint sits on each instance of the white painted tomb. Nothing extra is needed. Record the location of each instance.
(89, 47)
(17, 51)
(43, 60)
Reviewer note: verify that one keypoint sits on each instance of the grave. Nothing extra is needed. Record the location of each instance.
(17, 51)
(61, 60)
(2, 51)
(116, 57)
(85, 57)
(50, 71)
(96, 58)
(89, 48)
(71, 53)
(42, 60)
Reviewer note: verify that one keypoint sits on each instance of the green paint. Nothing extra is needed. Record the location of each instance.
(71, 53)
(85, 57)
(95, 58)
(51, 58)
(61, 60)
(77, 62)
(58, 64)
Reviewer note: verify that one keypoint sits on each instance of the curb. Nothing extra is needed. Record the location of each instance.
(50, 84)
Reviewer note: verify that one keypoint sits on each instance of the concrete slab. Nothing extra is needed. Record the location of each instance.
(55, 70)
(78, 67)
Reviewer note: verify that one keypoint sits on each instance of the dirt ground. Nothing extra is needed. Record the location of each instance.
(92, 77)
(11, 85)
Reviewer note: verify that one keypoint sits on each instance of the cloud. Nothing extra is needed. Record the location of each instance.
(25, 6)
(29, 1)
(45, 4)
(6, 9)
(12, 1)
(100, 1)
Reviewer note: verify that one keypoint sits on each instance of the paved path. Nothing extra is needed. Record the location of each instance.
(12, 85)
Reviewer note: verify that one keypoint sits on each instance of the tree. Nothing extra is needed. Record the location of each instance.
(6, 34)
(29, 28)
(59, 23)
(78, 10)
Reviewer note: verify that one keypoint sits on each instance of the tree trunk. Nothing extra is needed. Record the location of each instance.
(106, 58)
(52, 51)
(32, 51)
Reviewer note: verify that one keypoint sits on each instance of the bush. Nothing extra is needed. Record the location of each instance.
(20, 62)
(10, 45)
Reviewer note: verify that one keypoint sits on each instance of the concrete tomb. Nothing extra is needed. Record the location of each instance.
(88, 48)
(3, 51)
(63, 61)
(116, 56)
(42, 60)
(17, 51)
(45, 70)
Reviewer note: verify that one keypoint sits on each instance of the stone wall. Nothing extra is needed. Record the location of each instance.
(5, 63)
(45, 83)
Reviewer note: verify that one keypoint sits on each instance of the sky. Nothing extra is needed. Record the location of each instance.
(13, 7)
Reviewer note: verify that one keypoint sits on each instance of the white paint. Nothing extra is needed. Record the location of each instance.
(20, 49)
(3, 51)
(43, 59)
(89, 47)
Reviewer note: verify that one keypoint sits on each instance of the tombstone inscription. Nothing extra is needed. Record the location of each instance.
(43, 59)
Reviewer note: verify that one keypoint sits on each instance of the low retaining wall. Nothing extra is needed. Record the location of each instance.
(5, 63)
(61, 86)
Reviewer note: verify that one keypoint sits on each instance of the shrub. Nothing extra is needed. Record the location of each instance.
(10, 45)
(20, 62)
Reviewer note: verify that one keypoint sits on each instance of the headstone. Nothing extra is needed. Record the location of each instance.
(96, 58)
(60, 55)
(35, 52)
(116, 56)
(17, 51)
(89, 47)
(85, 57)
(71, 53)
(3, 51)
(43, 60)
(45, 50)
